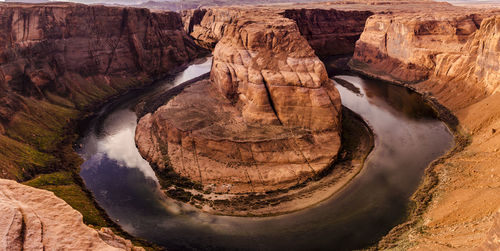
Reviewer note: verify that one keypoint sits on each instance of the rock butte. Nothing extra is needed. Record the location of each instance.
(268, 119)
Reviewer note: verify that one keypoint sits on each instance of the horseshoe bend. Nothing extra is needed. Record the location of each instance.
(333, 125)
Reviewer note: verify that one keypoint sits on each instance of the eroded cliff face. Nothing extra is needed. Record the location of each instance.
(268, 119)
(207, 27)
(329, 32)
(454, 58)
(41, 45)
(34, 219)
(461, 79)
(405, 47)
(448, 52)
(58, 59)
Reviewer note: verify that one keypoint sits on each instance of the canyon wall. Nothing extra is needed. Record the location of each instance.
(405, 47)
(329, 32)
(57, 62)
(58, 59)
(268, 119)
(448, 52)
(452, 57)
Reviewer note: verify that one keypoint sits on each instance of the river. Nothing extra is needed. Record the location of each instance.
(407, 138)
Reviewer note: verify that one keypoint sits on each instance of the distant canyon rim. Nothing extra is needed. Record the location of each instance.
(267, 118)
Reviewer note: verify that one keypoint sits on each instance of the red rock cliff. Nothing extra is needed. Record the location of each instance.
(56, 59)
(329, 32)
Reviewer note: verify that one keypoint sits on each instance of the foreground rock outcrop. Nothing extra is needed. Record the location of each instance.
(268, 119)
(34, 219)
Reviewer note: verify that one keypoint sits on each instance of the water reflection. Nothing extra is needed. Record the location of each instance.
(408, 138)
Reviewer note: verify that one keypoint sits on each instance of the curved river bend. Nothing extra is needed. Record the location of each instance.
(407, 138)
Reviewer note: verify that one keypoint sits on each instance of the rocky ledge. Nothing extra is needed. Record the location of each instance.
(27, 223)
(268, 118)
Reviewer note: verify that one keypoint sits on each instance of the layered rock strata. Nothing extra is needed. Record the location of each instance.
(442, 48)
(58, 59)
(329, 32)
(268, 119)
(452, 58)
(34, 219)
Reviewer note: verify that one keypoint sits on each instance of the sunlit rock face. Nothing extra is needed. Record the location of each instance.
(270, 71)
(479, 62)
(34, 219)
(268, 118)
(449, 52)
(405, 46)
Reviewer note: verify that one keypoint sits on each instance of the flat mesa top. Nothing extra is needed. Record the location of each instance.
(204, 112)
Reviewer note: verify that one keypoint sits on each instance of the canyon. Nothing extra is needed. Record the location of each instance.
(58, 62)
(268, 118)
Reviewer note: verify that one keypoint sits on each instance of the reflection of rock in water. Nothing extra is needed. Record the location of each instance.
(349, 86)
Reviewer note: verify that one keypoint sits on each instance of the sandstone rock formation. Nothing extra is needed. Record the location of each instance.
(34, 219)
(46, 46)
(269, 118)
(442, 48)
(60, 58)
(405, 47)
(454, 58)
(207, 27)
(329, 31)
